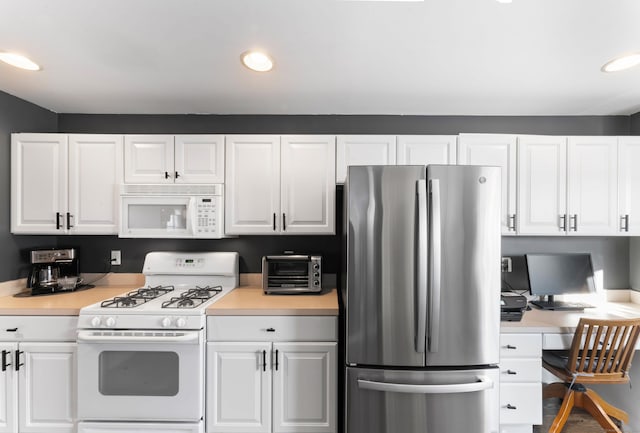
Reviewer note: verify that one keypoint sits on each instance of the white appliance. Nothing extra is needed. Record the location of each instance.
(141, 355)
(172, 211)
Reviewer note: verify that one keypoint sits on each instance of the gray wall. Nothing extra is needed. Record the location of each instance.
(17, 115)
(634, 124)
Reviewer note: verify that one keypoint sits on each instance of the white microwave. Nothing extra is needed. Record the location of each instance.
(172, 211)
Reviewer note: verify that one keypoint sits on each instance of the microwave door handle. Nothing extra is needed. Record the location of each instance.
(435, 268)
(421, 268)
(193, 216)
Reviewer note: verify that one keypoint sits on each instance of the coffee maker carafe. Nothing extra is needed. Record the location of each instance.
(49, 266)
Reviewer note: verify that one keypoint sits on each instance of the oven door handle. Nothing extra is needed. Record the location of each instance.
(144, 336)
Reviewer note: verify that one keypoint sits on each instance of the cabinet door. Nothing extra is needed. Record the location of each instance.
(148, 159)
(497, 150)
(47, 388)
(238, 387)
(95, 175)
(426, 149)
(592, 185)
(542, 196)
(199, 159)
(8, 390)
(252, 198)
(629, 185)
(308, 184)
(363, 150)
(38, 183)
(304, 387)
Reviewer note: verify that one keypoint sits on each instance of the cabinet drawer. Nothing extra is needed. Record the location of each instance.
(38, 328)
(520, 370)
(520, 346)
(521, 403)
(272, 328)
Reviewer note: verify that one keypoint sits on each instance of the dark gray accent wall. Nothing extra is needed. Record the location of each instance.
(634, 124)
(17, 115)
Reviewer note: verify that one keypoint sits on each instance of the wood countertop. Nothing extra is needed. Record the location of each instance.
(251, 301)
(59, 304)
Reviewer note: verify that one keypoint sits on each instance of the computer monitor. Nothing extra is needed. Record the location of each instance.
(559, 274)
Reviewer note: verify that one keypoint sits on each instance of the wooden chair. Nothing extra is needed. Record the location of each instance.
(601, 352)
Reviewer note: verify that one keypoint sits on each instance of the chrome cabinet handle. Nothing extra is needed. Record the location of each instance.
(574, 217)
(625, 223)
(512, 223)
(5, 355)
(17, 360)
(563, 222)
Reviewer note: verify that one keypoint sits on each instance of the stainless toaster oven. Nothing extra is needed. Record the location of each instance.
(291, 273)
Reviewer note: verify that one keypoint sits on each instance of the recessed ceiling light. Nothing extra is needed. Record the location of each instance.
(257, 61)
(621, 63)
(19, 61)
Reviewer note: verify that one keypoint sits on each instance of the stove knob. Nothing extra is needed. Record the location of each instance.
(110, 322)
(166, 322)
(95, 322)
(181, 322)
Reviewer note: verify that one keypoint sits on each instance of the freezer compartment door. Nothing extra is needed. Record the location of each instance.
(383, 305)
(463, 322)
(392, 401)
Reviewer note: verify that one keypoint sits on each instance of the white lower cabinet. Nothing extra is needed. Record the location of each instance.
(38, 392)
(265, 384)
(520, 382)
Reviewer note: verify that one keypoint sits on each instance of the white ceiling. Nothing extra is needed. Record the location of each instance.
(436, 57)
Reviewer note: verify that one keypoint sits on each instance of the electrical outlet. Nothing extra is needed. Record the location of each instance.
(506, 264)
(115, 258)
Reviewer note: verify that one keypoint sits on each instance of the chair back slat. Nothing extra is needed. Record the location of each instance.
(603, 346)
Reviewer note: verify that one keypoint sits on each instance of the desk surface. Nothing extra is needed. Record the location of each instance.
(564, 322)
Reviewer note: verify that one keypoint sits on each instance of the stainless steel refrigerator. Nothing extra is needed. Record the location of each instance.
(422, 299)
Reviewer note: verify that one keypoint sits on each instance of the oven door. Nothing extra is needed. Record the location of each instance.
(140, 375)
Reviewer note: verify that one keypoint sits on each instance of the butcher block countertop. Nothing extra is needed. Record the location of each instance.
(58, 304)
(251, 301)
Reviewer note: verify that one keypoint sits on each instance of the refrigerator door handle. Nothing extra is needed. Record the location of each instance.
(435, 256)
(421, 268)
(481, 384)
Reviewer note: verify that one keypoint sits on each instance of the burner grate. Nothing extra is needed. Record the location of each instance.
(192, 297)
(137, 297)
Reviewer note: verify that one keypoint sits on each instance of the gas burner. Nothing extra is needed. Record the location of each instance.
(137, 297)
(192, 297)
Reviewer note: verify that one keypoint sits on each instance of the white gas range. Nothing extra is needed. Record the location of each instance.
(141, 355)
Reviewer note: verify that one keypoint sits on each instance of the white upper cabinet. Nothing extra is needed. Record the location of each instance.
(567, 185)
(307, 184)
(65, 184)
(280, 184)
(426, 149)
(629, 185)
(95, 173)
(542, 187)
(252, 197)
(174, 159)
(363, 150)
(495, 150)
(592, 185)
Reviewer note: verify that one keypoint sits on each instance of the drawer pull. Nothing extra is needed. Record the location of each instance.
(510, 406)
(510, 347)
(511, 372)
(270, 330)
(12, 330)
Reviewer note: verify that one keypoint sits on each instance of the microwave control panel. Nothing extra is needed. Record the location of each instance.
(207, 218)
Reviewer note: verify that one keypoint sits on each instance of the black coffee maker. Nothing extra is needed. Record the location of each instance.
(53, 271)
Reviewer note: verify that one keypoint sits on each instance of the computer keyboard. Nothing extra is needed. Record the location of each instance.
(561, 306)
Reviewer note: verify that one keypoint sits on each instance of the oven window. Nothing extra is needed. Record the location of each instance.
(139, 373)
(289, 268)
